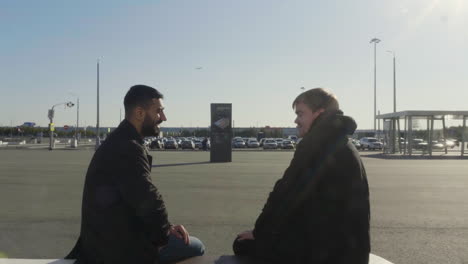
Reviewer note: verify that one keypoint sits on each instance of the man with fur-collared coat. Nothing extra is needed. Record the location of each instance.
(318, 212)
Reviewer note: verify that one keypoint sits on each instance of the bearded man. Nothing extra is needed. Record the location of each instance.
(124, 218)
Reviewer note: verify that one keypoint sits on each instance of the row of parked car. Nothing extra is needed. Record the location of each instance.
(421, 144)
(364, 143)
(265, 143)
(371, 143)
(178, 143)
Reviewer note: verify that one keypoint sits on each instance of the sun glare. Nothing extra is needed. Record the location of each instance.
(450, 12)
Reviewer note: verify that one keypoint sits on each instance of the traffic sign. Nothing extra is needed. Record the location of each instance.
(65, 127)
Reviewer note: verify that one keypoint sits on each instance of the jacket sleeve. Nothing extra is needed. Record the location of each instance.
(137, 190)
(276, 197)
(325, 227)
(329, 217)
(265, 216)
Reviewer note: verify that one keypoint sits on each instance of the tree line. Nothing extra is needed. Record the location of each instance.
(36, 131)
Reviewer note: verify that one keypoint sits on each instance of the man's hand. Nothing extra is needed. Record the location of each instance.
(247, 235)
(180, 232)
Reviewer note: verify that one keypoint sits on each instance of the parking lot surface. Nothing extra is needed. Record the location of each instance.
(419, 207)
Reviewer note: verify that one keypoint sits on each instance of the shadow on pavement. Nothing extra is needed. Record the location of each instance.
(414, 157)
(181, 164)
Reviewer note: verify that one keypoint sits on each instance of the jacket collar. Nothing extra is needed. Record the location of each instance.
(130, 131)
(334, 120)
(327, 134)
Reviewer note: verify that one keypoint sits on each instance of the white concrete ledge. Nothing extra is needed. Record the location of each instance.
(37, 261)
(13, 143)
(197, 260)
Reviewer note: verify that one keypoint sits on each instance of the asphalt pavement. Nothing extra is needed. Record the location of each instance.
(419, 207)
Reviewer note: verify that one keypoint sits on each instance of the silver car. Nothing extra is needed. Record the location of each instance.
(253, 143)
(238, 143)
(270, 144)
(287, 144)
(370, 143)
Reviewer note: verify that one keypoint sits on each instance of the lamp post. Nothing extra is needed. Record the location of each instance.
(98, 140)
(394, 120)
(394, 79)
(77, 115)
(77, 118)
(375, 41)
(51, 124)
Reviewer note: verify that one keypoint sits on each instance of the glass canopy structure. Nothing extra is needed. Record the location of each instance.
(425, 132)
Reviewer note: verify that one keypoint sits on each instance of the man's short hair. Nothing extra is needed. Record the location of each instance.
(318, 98)
(140, 95)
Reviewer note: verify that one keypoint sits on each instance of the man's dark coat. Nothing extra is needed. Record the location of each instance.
(124, 218)
(319, 212)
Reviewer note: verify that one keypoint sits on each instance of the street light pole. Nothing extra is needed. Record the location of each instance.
(77, 118)
(77, 115)
(375, 41)
(77, 127)
(394, 120)
(51, 124)
(98, 141)
(394, 82)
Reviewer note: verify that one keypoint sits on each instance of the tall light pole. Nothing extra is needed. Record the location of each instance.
(98, 140)
(77, 118)
(77, 115)
(51, 124)
(394, 120)
(375, 41)
(394, 79)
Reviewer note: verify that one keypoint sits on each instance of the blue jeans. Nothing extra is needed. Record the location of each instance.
(177, 250)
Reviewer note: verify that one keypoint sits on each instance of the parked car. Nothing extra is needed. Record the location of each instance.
(171, 144)
(370, 143)
(253, 143)
(279, 141)
(419, 143)
(356, 143)
(270, 144)
(287, 144)
(451, 143)
(156, 144)
(238, 143)
(187, 144)
(436, 145)
(198, 143)
(262, 140)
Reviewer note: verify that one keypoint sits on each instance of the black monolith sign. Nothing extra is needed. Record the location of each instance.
(221, 133)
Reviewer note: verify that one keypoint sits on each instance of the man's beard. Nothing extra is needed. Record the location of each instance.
(150, 128)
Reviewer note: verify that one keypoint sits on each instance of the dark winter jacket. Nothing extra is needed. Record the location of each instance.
(124, 218)
(318, 212)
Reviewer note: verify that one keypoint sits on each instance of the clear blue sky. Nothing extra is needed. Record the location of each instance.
(255, 55)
